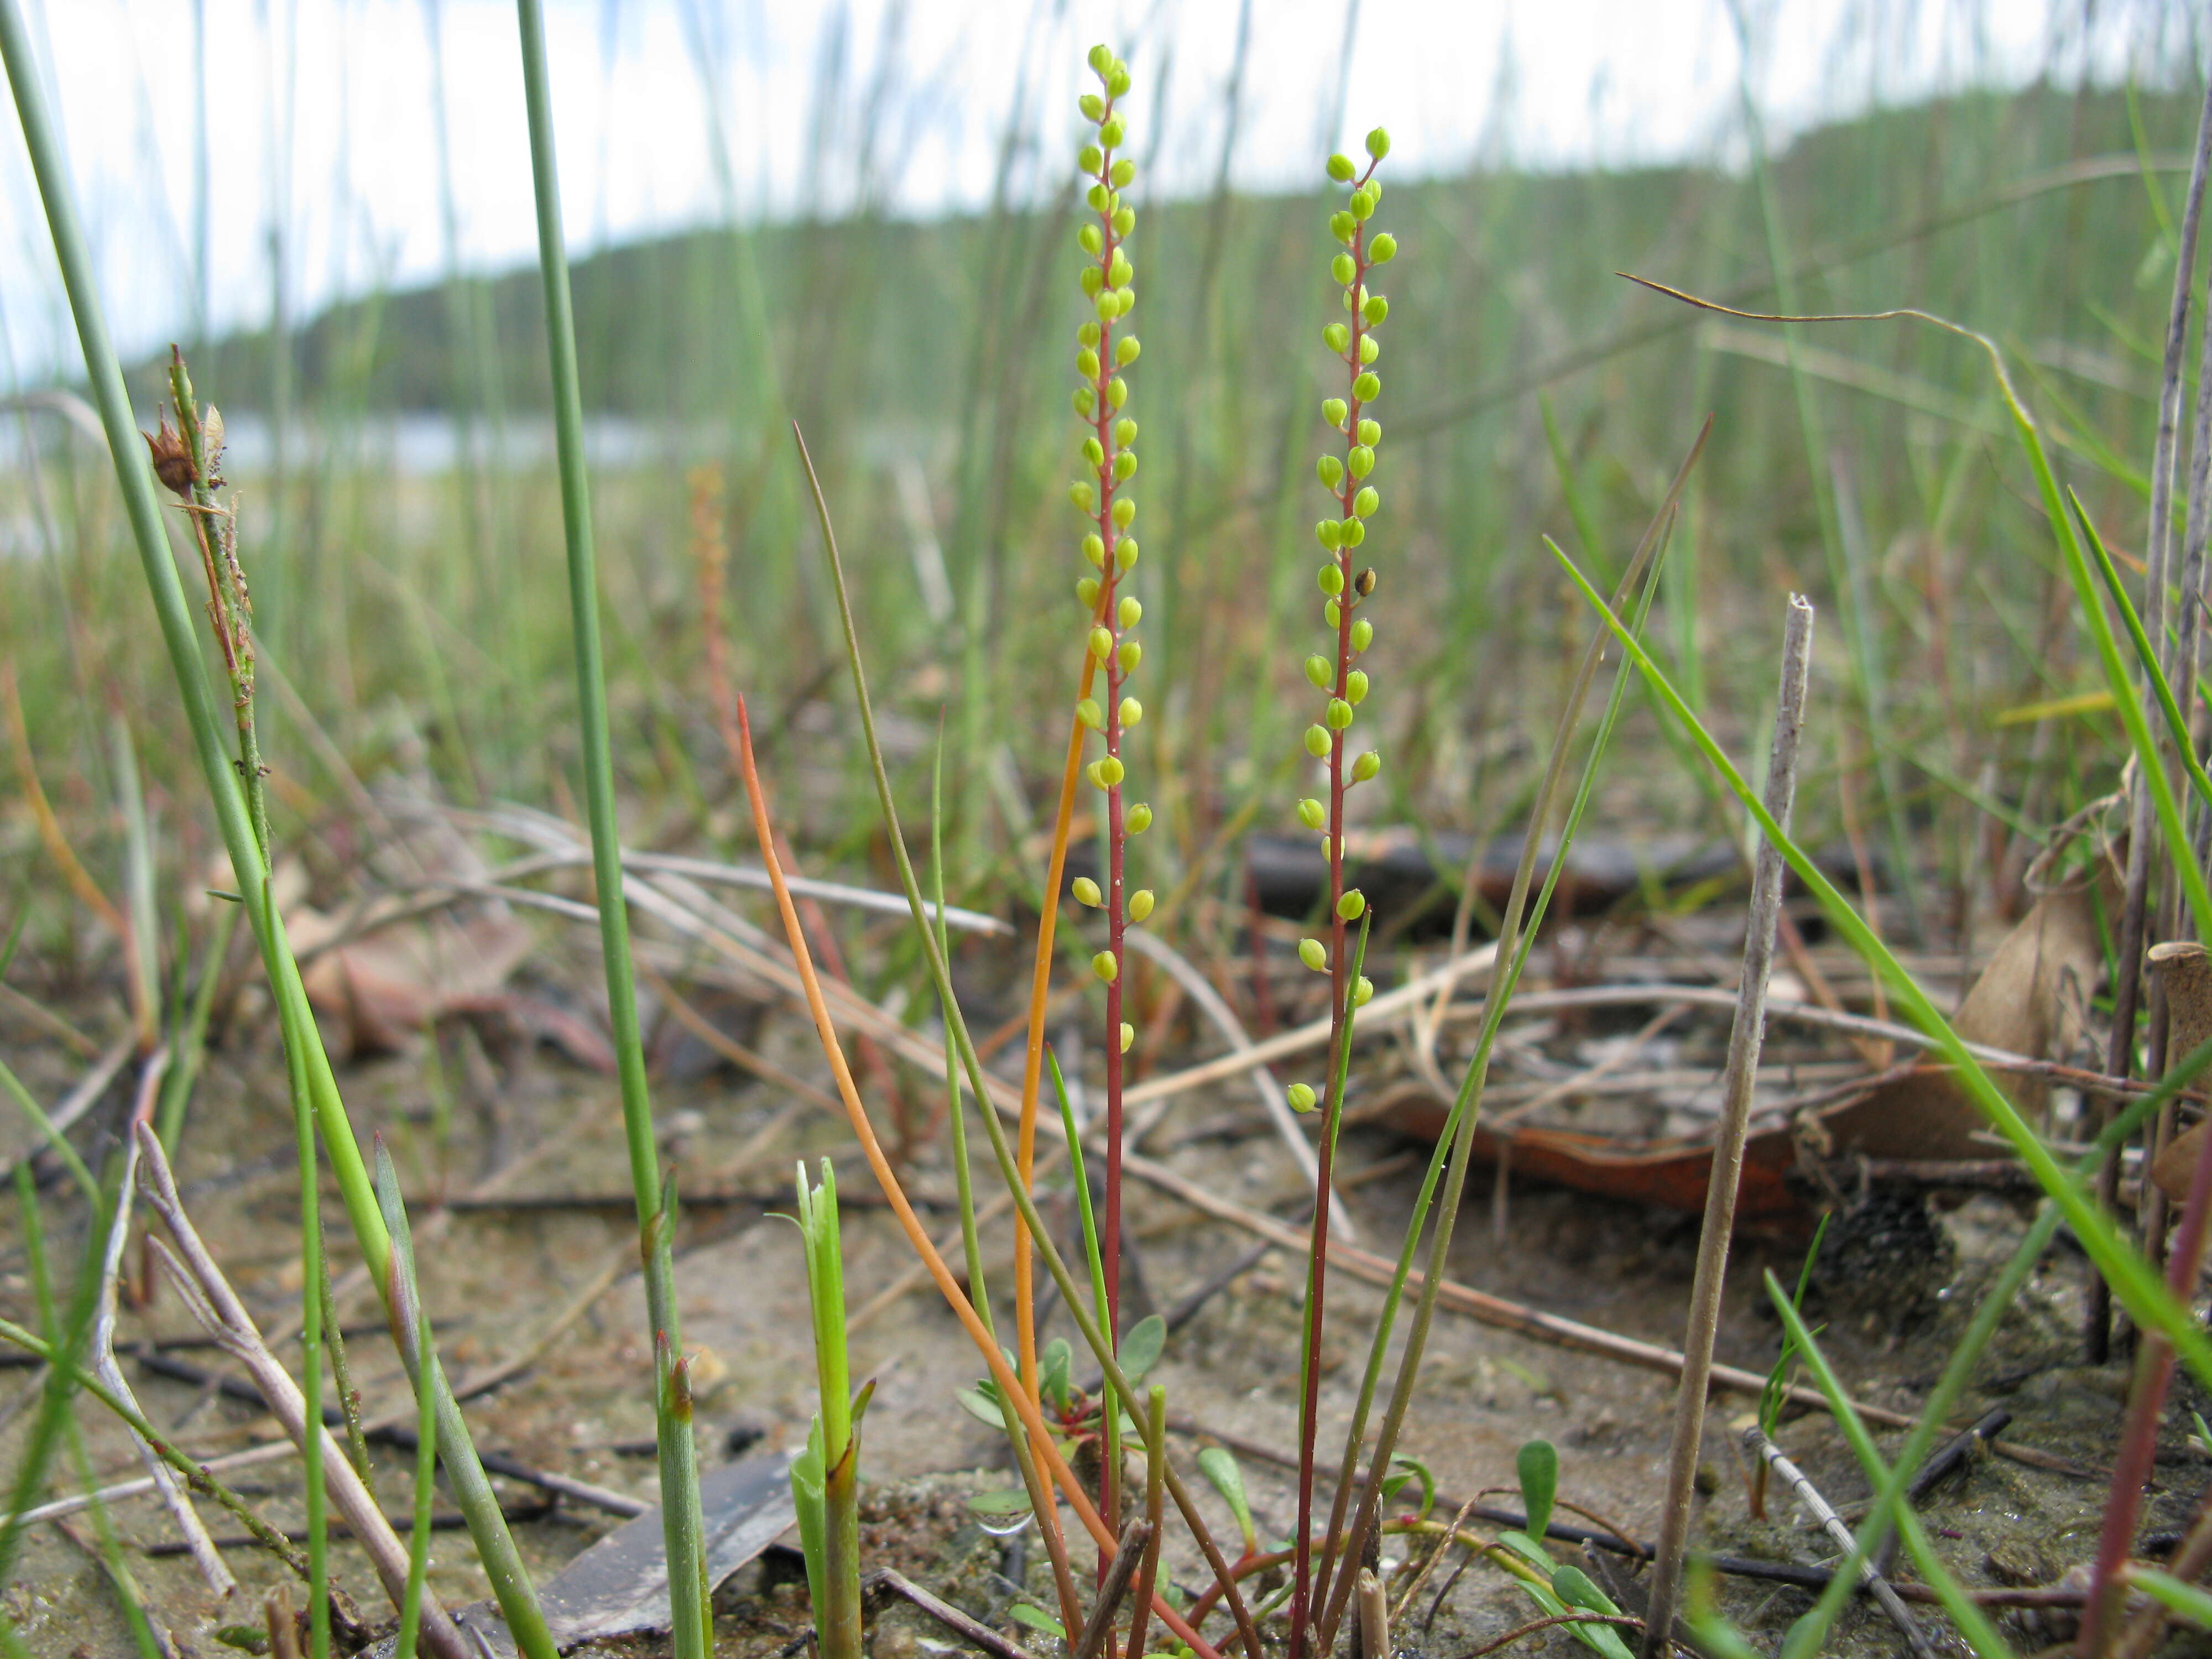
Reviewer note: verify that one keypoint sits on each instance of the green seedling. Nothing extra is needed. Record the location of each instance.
(825, 1478)
(1557, 1589)
(1776, 1393)
(1218, 1465)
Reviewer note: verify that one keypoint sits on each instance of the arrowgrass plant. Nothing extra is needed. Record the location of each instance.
(825, 1477)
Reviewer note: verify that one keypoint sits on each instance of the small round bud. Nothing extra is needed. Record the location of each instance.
(1086, 592)
(1084, 499)
(1337, 337)
(1333, 614)
(1367, 388)
(1124, 510)
(1363, 205)
(1094, 452)
(1125, 465)
(1319, 672)
(1086, 333)
(1371, 433)
(1343, 226)
(1312, 953)
(1340, 169)
(1374, 310)
(1091, 239)
(1098, 197)
(1111, 132)
(1312, 813)
(1124, 221)
(1092, 282)
(1362, 634)
(1125, 429)
(1090, 159)
(1101, 642)
(1364, 583)
(1137, 819)
(1331, 472)
(1330, 578)
(1091, 713)
(1344, 268)
(1354, 533)
(1086, 401)
(1351, 904)
(1106, 771)
(1328, 535)
(1086, 363)
(1130, 712)
(1109, 303)
(1130, 612)
(1086, 891)
(1126, 352)
(1095, 551)
(1100, 59)
(1106, 967)
(1092, 105)
(1378, 144)
(1382, 249)
(1129, 656)
(1367, 503)
(1338, 714)
(1300, 1096)
(1333, 410)
(1363, 991)
(1128, 1035)
(1325, 845)
(1117, 391)
(1355, 687)
(1117, 79)
(1366, 766)
(1370, 350)
(1124, 171)
(1124, 551)
(1316, 741)
(1140, 905)
(1361, 461)
(1120, 270)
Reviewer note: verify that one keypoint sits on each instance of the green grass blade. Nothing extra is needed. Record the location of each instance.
(2177, 728)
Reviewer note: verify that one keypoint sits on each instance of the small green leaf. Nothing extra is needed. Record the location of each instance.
(1142, 1347)
(1404, 1468)
(1539, 1464)
(982, 1403)
(1574, 1587)
(1037, 1619)
(1053, 1378)
(1008, 1501)
(1218, 1465)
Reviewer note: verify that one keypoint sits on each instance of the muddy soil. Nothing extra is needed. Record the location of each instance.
(497, 1278)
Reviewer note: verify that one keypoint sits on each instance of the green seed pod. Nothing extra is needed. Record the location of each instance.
(1129, 656)
(1370, 350)
(1330, 578)
(1125, 352)
(1130, 712)
(1374, 310)
(1340, 169)
(1097, 778)
(1333, 410)
(1363, 205)
(1106, 967)
(1367, 502)
(1111, 771)
(1351, 904)
(1091, 239)
(1125, 465)
(1137, 819)
(1325, 845)
(1361, 461)
(1382, 249)
(1117, 393)
(1124, 221)
(1371, 433)
(1086, 592)
(1086, 891)
(1337, 715)
(1086, 363)
(1367, 388)
(1343, 226)
(1111, 132)
(1089, 159)
(1378, 144)
(1090, 714)
(1086, 400)
(1094, 452)
(1082, 495)
(1128, 296)
(1316, 741)
(1092, 282)
(1129, 612)
(1366, 766)
(1355, 687)
(1125, 552)
(1354, 533)
(1119, 270)
(1086, 333)
(1363, 991)
(1344, 268)
(1333, 614)
(1312, 813)
(1092, 105)
(1128, 1035)
(1328, 535)
(1101, 59)
(1101, 642)
(1117, 79)
(1095, 551)
(1125, 509)
(1125, 170)
(1125, 429)
(1108, 302)
(1319, 672)
(1140, 905)
(1330, 471)
(1313, 954)
(1300, 1096)
(1362, 634)
(1099, 197)
(1337, 337)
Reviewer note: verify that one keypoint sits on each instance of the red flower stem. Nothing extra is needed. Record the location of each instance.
(1301, 1594)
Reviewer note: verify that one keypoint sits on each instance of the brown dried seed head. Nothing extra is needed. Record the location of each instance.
(173, 461)
(1364, 583)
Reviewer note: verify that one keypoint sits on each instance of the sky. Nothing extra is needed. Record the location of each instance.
(331, 163)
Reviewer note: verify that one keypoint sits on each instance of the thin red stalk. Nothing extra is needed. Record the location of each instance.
(1340, 990)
